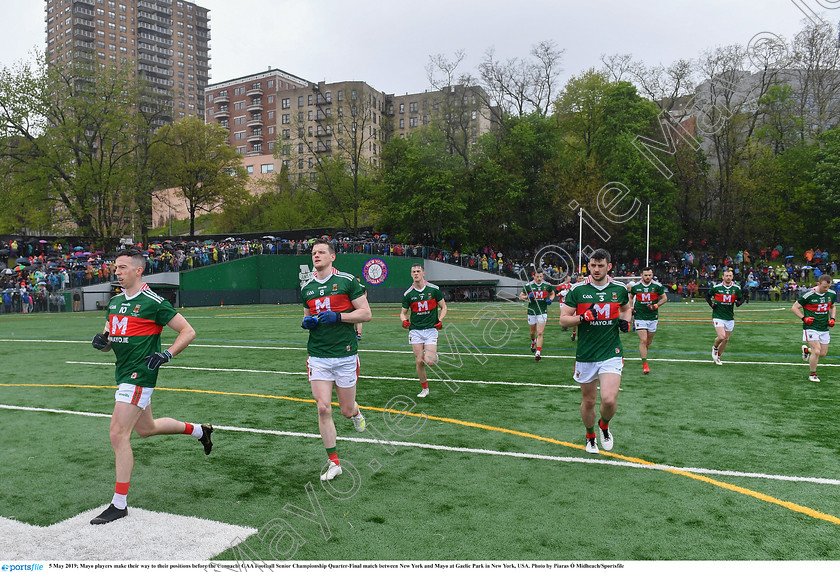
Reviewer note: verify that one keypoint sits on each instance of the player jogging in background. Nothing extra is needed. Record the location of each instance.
(540, 295)
(333, 302)
(134, 321)
(563, 289)
(422, 314)
(816, 308)
(648, 296)
(601, 309)
(723, 298)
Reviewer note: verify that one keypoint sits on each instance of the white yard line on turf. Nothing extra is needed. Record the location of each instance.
(695, 470)
(302, 373)
(406, 352)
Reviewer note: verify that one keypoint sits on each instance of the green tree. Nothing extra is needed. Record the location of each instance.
(70, 139)
(195, 159)
(421, 197)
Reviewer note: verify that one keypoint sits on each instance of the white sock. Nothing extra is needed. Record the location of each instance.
(197, 431)
(119, 501)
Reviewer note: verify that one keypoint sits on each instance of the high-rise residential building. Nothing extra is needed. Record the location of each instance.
(255, 110)
(277, 120)
(166, 41)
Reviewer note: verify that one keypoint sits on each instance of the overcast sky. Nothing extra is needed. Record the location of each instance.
(388, 43)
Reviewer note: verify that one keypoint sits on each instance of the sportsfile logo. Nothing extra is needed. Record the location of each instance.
(24, 567)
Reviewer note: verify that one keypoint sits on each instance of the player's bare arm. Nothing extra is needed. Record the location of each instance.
(797, 309)
(568, 318)
(186, 334)
(361, 312)
(442, 313)
(625, 312)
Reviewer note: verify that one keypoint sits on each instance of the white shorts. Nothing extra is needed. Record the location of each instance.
(344, 371)
(429, 336)
(134, 394)
(815, 336)
(649, 325)
(537, 319)
(727, 325)
(587, 371)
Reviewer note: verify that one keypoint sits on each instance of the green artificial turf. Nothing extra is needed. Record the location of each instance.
(246, 372)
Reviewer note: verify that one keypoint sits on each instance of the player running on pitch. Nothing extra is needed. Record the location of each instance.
(723, 298)
(422, 301)
(134, 321)
(648, 296)
(601, 308)
(333, 302)
(540, 295)
(816, 308)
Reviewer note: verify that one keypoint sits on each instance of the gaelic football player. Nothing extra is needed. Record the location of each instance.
(540, 295)
(648, 296)
(601, 309)
(134, 321)
(816, 308)
(422, 301)
(333, 302)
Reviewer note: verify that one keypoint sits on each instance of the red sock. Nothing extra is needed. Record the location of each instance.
(121, 488)
(189, 429)
(425, 385)
(333, 455)
(603, 424)
(539, 348)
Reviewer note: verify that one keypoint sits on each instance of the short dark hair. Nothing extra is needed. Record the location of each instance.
(135, 255)
(326, 242)
(824, 278)
(600, 254)
(646, 268)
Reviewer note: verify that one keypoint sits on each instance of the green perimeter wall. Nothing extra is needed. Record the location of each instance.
(273, 279)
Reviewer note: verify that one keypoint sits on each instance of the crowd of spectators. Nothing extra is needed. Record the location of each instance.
(33, 271)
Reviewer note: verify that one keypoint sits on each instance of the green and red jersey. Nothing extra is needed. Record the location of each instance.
(423, 305)
(563, 289)
(724, 298)
(134, 327)
(817, 306)
(542, 292)
(599, 339)
(644, 295)
(335, 293)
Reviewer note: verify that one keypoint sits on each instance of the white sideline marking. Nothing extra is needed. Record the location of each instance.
(492, 354)
(141, 535)
(302, 373)
(585, 460)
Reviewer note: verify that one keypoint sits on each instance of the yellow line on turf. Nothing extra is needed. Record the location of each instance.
(727, 486)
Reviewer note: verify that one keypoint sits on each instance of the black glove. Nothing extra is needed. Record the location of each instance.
(157, 359)
(100, 341)
(739, 302)
(623, 325)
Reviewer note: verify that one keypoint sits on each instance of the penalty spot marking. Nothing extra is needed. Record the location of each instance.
(167, 536)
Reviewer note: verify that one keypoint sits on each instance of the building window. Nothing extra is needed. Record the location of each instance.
(286, 103)
(402, 108)
(267, 168)
(300, 101)
(412, 107)
(340, 95)
(402, 123)
(286, 119)
(250, 169)
(412, 121)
